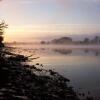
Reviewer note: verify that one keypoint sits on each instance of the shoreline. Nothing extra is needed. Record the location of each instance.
(26, 82)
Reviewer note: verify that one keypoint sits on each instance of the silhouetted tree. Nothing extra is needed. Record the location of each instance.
(86, 40)
(43, 42)
(96, 39)
(3, 25)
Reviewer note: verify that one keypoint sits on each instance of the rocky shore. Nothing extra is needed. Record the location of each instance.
(20, 81)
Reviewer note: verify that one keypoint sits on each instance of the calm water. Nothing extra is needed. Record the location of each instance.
(81, 64)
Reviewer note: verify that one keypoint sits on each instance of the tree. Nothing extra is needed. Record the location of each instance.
(3, 25)
(86, 40)
(96, 39)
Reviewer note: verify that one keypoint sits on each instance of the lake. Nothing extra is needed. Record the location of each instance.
(81, 64)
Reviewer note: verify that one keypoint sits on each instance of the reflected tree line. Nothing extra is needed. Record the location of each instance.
(70, 51)
(95, 52)
(63, 51)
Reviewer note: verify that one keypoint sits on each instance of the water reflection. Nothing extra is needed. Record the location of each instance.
(80, 65)
(68, 51)
(95, 52)
(63, 51)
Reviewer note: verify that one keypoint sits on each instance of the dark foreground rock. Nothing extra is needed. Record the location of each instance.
(26, 82)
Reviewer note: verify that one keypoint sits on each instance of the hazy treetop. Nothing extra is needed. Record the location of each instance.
(3, 25)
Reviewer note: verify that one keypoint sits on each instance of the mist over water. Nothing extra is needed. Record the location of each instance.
(81, 64)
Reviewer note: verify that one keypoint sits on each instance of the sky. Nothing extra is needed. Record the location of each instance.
(31, 20)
